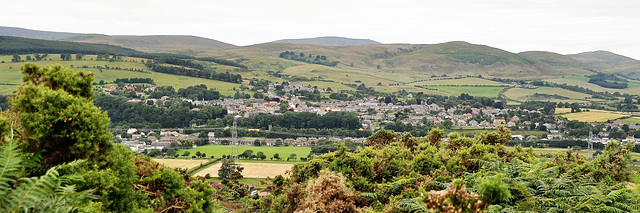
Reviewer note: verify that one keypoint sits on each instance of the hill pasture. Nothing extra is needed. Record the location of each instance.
(632, 89)
(594, 115)
(562, 95)
(479, 91)
(12, 75)
(219, 150)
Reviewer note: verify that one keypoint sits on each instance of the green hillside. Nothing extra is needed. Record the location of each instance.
(600, 55)
(12, 75)
(476, 54)
(12, 45)
(608, 62)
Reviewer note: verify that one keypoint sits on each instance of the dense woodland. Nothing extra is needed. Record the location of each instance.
(317, 59)
(304, 120)
(175, 114)
(56, 155)
(608, 81)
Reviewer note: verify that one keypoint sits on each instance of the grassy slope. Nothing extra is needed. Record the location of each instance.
(555, 61)
(604, 61)
(633, 89)
(521, 94)
(491, 92)
(632, 120)
(12, 75)
(459, 82)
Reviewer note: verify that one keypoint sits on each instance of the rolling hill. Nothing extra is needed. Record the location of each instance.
(608, 62)
(330, 41)
(36, 34)
(555, 61)
(154, 43)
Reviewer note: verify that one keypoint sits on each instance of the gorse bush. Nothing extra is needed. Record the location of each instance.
(401, 173)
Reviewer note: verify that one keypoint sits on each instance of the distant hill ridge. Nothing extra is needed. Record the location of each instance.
(35, 34)
(456, 57)
(330, 41)
(153, 43)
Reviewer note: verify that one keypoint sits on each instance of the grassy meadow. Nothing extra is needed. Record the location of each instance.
(479, 91)
(12, 75)
(633, 89)
(522, 94)
(459, 82)
(593, 115)
(219, 150)
(632, 120)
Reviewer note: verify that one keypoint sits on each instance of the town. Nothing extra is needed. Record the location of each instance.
(372, 112)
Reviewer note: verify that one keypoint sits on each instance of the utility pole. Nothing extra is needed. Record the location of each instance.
(590, 145)
(234, 136)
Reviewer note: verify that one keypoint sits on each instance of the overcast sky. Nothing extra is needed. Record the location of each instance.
(563, 26)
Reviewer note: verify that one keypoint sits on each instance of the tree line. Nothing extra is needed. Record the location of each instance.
(134, 80)
(608, 81)
(304, 120)
(186, 71)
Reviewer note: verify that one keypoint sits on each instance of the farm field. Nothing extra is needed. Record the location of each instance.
(594, 115)
(632, 120)
(633, 89)
(12, 75)
(389, 89)
(481, 91)
(562, 110)
(180, 163)
(459, 82)
(219, 150)
(251, 170)
(351, 76)
(521, 94)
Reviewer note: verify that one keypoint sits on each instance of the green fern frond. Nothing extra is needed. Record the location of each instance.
(47, 193)
(32, 191)
(9, 166)
(372, 195)
(413, 205)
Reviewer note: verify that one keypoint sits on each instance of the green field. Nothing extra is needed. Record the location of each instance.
(522, 94)
(594, 115)
(12, 75)
(460, 82)
(390, 89)
(632, 120)
(478, 91)
(219, 150)
(633, 89)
